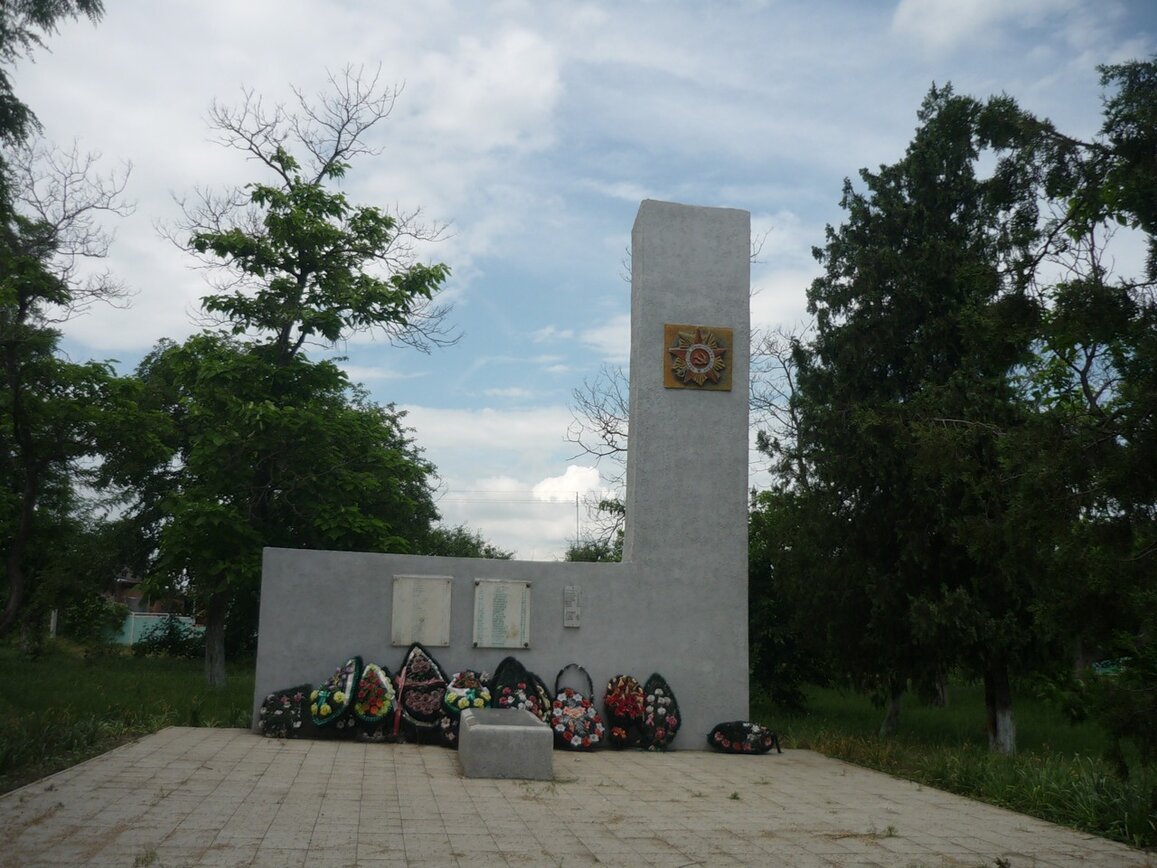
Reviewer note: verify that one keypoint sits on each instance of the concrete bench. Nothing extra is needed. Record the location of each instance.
(505, 743)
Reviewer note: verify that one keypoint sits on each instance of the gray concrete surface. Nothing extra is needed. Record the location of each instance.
(228, 797)
(505, 743)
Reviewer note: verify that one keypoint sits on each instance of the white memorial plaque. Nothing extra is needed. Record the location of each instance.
(421, 611)
(501, 614)
(571, 606)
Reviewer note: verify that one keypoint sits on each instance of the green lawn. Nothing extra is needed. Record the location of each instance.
(1059, 773)
(64, 708)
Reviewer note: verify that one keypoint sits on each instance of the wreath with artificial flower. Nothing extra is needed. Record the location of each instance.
(421, 687)
(467, 689)
(514, 686)
(743, 736)
(661, 715)
(374, 698)
(576, 722)
(623, 704)
(330, 704)
(281, 712)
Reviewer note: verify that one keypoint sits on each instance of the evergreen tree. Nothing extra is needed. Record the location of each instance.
(921, 314)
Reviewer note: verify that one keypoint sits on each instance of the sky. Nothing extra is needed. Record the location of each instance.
(532, 131)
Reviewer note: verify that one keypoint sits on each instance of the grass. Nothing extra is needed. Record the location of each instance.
(64, 708)
(1058, 774)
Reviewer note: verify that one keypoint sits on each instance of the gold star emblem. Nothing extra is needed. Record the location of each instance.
(698, 356)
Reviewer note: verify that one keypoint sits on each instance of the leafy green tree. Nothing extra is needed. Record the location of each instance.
(1095, 388)
(320, 467)
(595, 550)
(52, 412)
(787, 648)
(268, 448)
(297, 262)
(459, 542)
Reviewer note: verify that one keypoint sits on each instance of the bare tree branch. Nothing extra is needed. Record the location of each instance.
(311, 142)
(64, 195)
(773, 389)
(599, 419)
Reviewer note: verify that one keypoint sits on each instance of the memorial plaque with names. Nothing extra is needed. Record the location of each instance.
(501, 614)
(421, 611)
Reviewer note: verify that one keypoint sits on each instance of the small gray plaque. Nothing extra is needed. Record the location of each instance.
(571, 606)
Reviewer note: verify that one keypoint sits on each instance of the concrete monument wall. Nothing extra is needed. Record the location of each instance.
(677, 604)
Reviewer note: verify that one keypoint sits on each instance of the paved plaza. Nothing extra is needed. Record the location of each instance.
(186, 796)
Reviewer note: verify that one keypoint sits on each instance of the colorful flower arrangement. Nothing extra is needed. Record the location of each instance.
(467, 689)
(375, 695)
(577, 724)
(280, 713)
(519, 695)
(624, 698)
(423, 700)
(330, 702)
(623, 704)
(661, 717)
(363, 698)
(421, 688)
(514, 686)
(743, 736)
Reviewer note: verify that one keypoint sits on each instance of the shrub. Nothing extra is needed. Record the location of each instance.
(93, 620)
(172, 637)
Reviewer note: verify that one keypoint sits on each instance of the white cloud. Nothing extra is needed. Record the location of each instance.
(491, 92)
(627, 191)
(364, 373)
(611, 340)
(551, 333)
(576, 481)
(780, 297)
(943, 25)
(509, 392)
(508, 474)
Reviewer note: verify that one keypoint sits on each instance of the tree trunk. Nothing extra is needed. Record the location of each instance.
(998, 705)
(31, 636)
(940, 692)
(16, 595)
(14, 563)
(215, 638)
(892, 715)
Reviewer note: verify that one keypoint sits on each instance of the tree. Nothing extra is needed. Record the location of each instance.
(1095, 388)
(788, 647)
(600, 426)
(37, 386)
(52, 412)
(268, 447)
(322, 467)
(594, 549)
(921, 315)
(299, 262)
(459, 542)
(775, 414)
